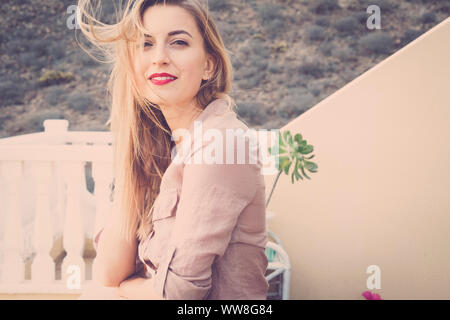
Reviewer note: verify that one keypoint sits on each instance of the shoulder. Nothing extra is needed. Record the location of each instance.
(216, 137)
(224, 157)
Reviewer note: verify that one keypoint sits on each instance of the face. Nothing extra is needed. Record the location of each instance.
(172, 45)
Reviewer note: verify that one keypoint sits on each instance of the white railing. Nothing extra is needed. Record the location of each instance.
(43, 197)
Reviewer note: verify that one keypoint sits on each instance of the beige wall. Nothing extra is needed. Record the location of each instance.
(381, 194)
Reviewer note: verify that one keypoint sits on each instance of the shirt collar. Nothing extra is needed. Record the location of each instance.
(214, 108)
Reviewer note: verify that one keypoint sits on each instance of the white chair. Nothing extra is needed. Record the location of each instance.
(279, 264)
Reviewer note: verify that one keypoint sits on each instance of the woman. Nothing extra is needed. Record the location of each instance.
(182, 227)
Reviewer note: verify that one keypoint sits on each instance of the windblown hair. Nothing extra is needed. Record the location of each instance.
(142, 139)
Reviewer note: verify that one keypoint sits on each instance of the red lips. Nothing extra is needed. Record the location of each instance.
(161, 75)
(161, 82)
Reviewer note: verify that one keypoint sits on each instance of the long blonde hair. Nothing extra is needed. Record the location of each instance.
(141, 136)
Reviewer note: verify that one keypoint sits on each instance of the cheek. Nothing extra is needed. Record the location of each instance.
(192, 66)
(193, 74)
(140, 65)
(139, 72)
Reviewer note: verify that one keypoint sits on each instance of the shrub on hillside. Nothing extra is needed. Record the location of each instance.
(52, 77)
(56, 50)
(259, 48)
(260, 64)
(27, 59)
(324, 6)
(250, 77)
(444, 8)
(79, 101)
(54, 95)
(361, 17)
(378, 43)
(254, 113)
(275, 68)
(315, 33)
(13, 89)
(410, 35)
(326, 48)
(312, 68)
(295, 103)
(255, 48)
(270, 11)
(294, 80)
(347, 25)
(236, 62)
(428, 17)
(217, 5)
(384, 5)
(272, 18)
(323, 21)
(34, 122)
(344, 54)
(315, 89)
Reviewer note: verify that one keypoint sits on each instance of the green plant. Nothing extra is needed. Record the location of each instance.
(51, 77)
(292, 150)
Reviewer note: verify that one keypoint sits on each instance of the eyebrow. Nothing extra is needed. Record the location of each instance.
(172, 33)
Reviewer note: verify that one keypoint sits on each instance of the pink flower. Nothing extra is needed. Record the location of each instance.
(371, 296)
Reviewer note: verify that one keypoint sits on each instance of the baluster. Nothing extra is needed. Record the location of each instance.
(13, 269)
(102, 173)
(73, 234)
(43, 266)
(56, 134)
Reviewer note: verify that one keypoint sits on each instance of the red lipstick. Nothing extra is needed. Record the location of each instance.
(166, 78)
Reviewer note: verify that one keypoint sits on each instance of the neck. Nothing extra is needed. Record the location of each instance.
(180, 117)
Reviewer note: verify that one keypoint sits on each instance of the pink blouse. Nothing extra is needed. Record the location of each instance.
(209, 227)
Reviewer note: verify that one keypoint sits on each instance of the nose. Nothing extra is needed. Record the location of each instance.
(160, 56)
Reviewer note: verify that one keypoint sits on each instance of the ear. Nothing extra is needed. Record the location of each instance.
(209, 68)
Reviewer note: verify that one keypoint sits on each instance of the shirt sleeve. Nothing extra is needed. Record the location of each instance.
(211, 200)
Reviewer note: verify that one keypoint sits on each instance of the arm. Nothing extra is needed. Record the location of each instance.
(115, 260)
(137, 288)
(211, 200)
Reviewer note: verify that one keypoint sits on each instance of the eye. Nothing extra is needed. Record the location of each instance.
(180, 42)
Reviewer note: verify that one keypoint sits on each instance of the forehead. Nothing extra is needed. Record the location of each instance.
(162, 19)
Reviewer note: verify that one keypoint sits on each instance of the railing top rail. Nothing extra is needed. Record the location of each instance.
(74, 137)
(56, 133)
(56, 153)
(30, 138)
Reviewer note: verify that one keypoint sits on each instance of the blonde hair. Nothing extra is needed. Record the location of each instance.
(141, 136)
